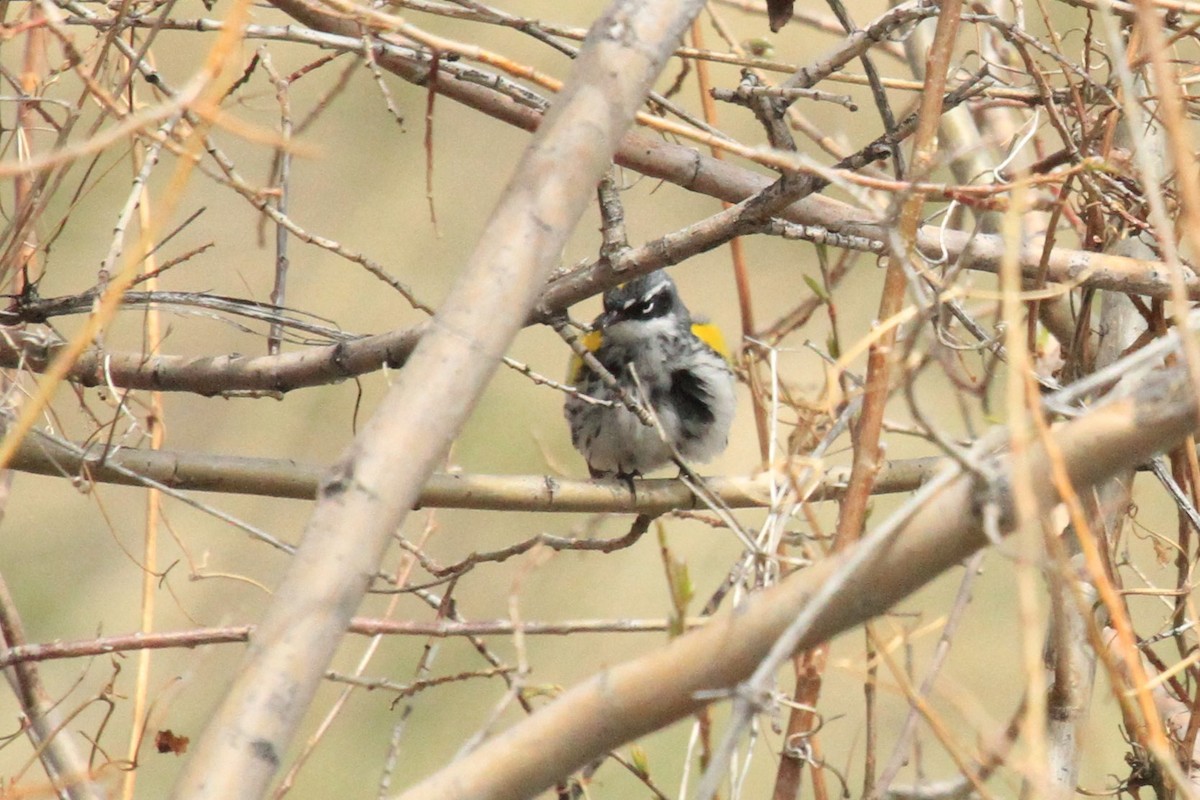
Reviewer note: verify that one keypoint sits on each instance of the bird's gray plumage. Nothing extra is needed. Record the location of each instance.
(647, 331)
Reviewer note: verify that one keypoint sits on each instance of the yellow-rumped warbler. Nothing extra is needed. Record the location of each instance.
(681, 373)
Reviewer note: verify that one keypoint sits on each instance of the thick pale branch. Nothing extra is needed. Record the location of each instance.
(286, 478)
(636, 697)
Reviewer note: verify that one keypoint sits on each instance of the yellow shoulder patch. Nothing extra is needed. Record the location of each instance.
(591, 340)
(706, 332)
(711, 335)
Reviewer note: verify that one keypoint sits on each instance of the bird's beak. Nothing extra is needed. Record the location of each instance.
(605, 320)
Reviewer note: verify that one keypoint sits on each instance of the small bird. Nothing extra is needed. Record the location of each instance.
(682, 373)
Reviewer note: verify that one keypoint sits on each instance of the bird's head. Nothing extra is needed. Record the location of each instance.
(644, 306)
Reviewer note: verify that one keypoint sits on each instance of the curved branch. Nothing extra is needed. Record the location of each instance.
(234, 373)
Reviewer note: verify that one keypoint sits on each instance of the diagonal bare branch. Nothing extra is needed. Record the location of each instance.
(941, 526)
(378, 479)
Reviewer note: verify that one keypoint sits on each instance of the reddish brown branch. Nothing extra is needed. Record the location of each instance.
(364, 626)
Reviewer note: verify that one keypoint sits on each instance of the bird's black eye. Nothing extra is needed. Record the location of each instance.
(654, 306)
